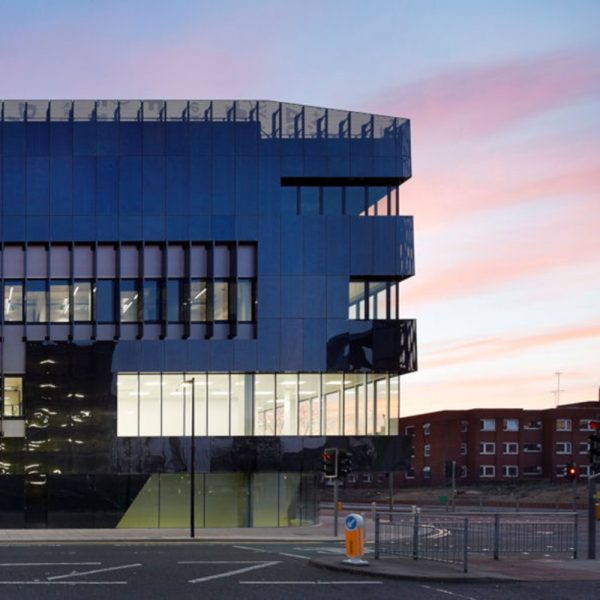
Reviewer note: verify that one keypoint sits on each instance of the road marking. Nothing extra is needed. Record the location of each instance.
(442, 591)
(311, 582)
(220, 562)
(48, 564)
(236, 572)
(294, 555)
(79, 573)
(249, 548)
(63, 583)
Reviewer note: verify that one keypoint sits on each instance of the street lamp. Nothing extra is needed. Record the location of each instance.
(192, 381)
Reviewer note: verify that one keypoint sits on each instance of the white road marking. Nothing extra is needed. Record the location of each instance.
(442, 591)
(63, 583)
(294, 555)
(79, 573)
(249, 548)
(311, 582)
(220, 562)
(49, 564)
(236, 572)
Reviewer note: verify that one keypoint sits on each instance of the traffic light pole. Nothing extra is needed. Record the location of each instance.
(592, 516)
(336, 512)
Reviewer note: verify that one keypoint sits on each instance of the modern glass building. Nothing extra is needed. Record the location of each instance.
(219, 277)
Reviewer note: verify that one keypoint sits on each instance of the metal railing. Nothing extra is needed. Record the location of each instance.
(451, 538)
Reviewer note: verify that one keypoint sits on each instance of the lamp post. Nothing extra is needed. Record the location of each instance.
(192, 381)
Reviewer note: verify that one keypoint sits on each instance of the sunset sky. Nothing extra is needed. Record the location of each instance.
(504, 100)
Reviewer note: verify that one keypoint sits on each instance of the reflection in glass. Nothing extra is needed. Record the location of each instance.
(370, 405)
(198, 301)
(351, 381)
(381, 406)
(174, 298)
(82, 301)
(221, 301)
(36, 299)
(244, 301)
(13, 301)
(356, 300)
(394, 405)
(59, 302)
(377, 300)
(151, 303)
(129, 301)
(13, 397)
(104, 301)
(309, 403)
(264, 404)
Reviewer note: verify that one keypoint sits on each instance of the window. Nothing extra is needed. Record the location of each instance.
(245, 301)
(426, 428)
(586, 424)
(533, 424)
(488, 425)
(366, 478)
(351, 478)
(510, 448)
(175, 310)
(13, 301)
(531, 448)
(584, 470)
(59, 302)
(221, 301)
(464, 426)
(511, 424)
(532, 470)
(409, 430)
(372, 299)
(13, 396)
(463, 471)
(487, 448)
(560, 470)
(151, 300)
(487, 471)
(198, 301)
(584, 447)
(563, 424)
(426, 472)
(129, 301)
(36, 298)
(511, 471)
(409, 474)
(426, 450)
(463, 449)
(563, 448)
(82, 301)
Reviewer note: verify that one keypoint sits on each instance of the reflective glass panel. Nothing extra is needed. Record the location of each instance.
(349, 405)
(241, 404)
(221, 301)
(174, 299)
(370, 405)
(355, 200)
(82, 301)
(36, 301)
(198, 301)
(151, 303)
(394, 405)
(356, 300)
(309, 201)
(309, 397)
(264, 404)
(59, 302)
(332, 200)
(105, 300)
(244, 300)
(13, 301)
(361, 407)
(382, 410)
(129, 301)
(332, 393)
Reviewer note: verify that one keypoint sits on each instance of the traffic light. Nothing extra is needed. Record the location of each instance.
(594, 441)
(571, 471)
(345, 462)
(330, 463)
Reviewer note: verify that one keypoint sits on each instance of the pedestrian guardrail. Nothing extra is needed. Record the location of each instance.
(451, 538)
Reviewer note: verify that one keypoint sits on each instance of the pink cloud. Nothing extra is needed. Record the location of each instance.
(480, 100)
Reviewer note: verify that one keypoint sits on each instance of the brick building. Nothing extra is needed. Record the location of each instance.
(499, 444)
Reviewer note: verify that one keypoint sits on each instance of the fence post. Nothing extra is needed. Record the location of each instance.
(377, 539)
(496, 536)
(465, 546)
(575, 536)
(416, 535)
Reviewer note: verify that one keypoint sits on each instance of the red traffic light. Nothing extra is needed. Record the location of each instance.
(595, 425)
(571, 471)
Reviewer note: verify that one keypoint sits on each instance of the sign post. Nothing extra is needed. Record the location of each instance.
(355, 540)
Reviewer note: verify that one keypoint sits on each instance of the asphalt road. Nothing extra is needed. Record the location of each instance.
(250, 571)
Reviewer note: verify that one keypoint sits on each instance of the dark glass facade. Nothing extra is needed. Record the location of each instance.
(238, 261)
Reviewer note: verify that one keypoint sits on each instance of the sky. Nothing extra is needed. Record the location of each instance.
(504, 103)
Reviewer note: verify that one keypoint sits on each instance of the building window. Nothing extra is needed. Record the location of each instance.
(372, 300)
(559, 470)
(409, 474)
(151, 300)
(463, 471)
(487, 471)
(104, 300)
(563, 424)
(584, 471)
(12, 405)
(464, 426)
(511, 471)
(198, 301)
(488, 425)
(487, 448)
(367, 478)
(175, 308)
(586, 424)
(511, 424)
(60, 305)
(426, 450)
(82, 301)
(129, 301)
(245, 301)
(351, 478)
(532, 470)
(463, 449)
(409, 430)
(531, 448)
(533, 424)
(563, 448)
(584, 447)
(426, 472)
(13, 301)
(36, 300)
(510, 448)
(426, 428)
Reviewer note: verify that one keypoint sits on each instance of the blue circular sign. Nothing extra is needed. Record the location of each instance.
(351, 523)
